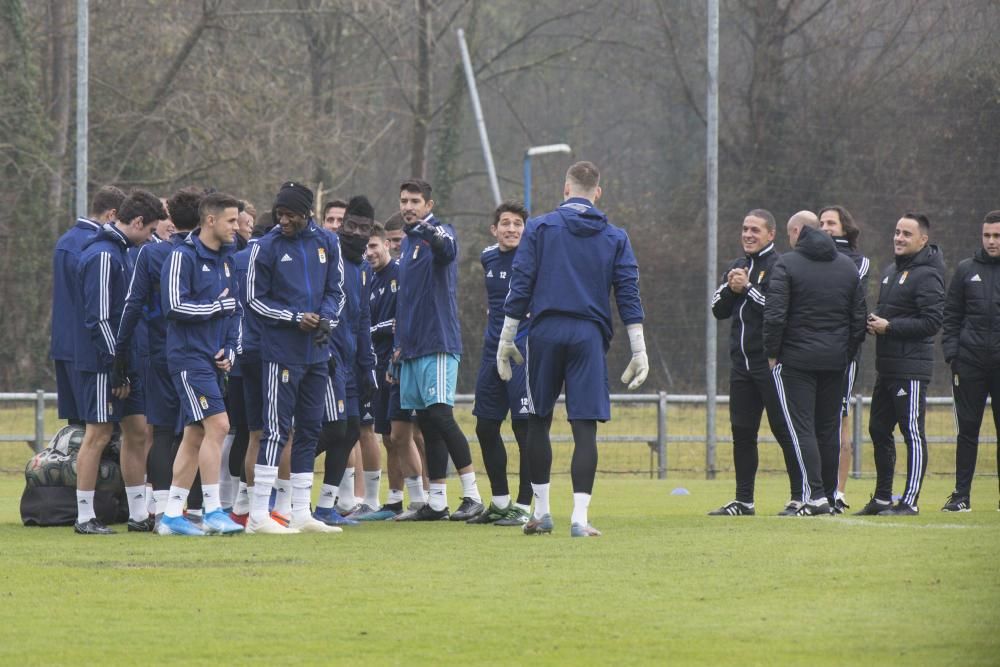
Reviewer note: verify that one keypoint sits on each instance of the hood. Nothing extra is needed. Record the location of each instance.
(983, 258)
(108, 232)
(930, 256)
(816, 245)
(581, 218)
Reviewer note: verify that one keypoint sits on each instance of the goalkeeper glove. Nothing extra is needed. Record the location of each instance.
(638, 368)
(507, 350)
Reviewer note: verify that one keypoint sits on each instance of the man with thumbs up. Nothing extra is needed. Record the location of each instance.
(567, 264)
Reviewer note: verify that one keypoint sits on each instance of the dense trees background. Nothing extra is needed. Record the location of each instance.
(881, 106)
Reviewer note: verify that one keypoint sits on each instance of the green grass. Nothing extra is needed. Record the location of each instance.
(665, 585)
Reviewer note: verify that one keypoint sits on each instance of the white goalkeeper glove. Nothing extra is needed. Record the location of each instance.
(638, 368)
(507, 350)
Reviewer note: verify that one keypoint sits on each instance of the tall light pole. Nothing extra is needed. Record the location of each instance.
(532, 152)
(477, 110)
(712, 250)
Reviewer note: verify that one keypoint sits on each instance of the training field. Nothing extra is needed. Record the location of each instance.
(665, 584)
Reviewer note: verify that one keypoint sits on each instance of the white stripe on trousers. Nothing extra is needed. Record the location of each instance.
(916, 445)
(271, 446)
(527, 382)
(192, 398)
(102, 398)
(779, 385)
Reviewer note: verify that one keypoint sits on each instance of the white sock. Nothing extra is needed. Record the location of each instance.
(839, 495)
(541, 492)
(283, 497)
(227, 483)
(581, 501)
(160, 501)
(347, 499)
(264, 477)
(210, 495)
(395, 496)
(302, 483)
(501, 502)
(469, 487)
(242, 503)
(197, 512)
(523, 508)
(415, 485)
(84, 506)
(438, 497)
(175, 501)
(327, 496)
(150, 501)
(373, 480)
(136, 496)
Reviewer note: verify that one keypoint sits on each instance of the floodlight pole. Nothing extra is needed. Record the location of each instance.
(477, 109)
(712, 202)
(530, 153)
(82, 93)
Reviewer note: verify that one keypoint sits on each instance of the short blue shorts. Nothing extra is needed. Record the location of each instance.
(567, 350)
(495, 398)
(67, 388)
(200, 393)
(253, 392)
(97, 404)
(427, 380)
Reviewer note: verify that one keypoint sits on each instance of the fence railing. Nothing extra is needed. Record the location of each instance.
(656, 436)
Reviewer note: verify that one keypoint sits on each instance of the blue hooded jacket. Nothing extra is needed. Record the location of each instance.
(103, 280)
(427, 307)
(382, 301)
(144, 302)
(67, 309)
(568, 262)
(200, 294)
(352, 339)
(251, 322)
(290, 276)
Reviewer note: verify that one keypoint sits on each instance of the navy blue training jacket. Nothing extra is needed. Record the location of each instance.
(103, 280)
(352, 339)
(194, 283)
(144, 302)
(427, 307)
(568, 262)
(382, 301)
(497, 271)
(290, 276)
(67, 309)
(251, 322)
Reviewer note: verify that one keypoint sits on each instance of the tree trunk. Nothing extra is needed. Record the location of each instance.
(59, 106)
(422, 117)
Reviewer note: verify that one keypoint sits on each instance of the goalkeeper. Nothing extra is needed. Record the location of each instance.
(566, 266)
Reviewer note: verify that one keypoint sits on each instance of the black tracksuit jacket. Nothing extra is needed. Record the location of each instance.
(747, 309)
(815, 314)
(911, 298)
(971, 330)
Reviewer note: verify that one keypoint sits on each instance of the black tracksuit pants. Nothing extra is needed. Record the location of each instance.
(902, 402)
(970, 385)
(751, 392)
(811, 402)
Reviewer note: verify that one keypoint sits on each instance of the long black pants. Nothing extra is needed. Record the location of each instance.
(902, 402)
(970, 385)
(751, 392)
(810, 401)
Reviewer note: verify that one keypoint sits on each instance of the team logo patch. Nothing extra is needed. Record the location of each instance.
(111, 408)
(286, 258)
(975, 279)
(760, 277)
(284, 376)
(415, 251)
(902, 278)
(203, 402)
(226, 268)
(340, 407)
(392, 285)
(322, 255)
(489, 274)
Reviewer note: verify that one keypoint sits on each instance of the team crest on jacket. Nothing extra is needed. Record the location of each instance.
(760, 277)
(226, 267)
(322, 255)
(392, 285)
(284, 376)
(340, 407)
(111, 408)
(364, 278)
(416, 249)
(902, 278)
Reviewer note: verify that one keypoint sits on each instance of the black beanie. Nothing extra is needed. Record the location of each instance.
(295, 197)
(360, 207)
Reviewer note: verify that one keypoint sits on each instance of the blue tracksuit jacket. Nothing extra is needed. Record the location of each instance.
(568, 262)
(352, 339)
(291, 276)
(192, 283)
(382, 302)
(251, 322)
(67, 309)
(144, 302)
(103, 280)
(497, 270)
(427, 308)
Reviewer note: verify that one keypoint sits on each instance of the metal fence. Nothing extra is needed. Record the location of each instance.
(649, 433)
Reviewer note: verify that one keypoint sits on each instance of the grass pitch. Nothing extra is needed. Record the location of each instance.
(665, 584)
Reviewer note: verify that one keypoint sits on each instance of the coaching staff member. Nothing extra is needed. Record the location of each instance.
(908, 315)
(814, 321)
(971, 342)
(742, 296)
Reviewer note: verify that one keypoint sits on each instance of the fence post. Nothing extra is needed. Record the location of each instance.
(661, 436)
(39, 420)
(859, 406)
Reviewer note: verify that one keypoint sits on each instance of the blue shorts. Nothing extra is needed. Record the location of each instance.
(367, 416)
(571, 351)
(97, 404)
(200, 393)
(253, 393)
(427, 380)
(335, 400)
(386, 408)
(163, 406)
(495, 398)
(67, 388)
(135, 404)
